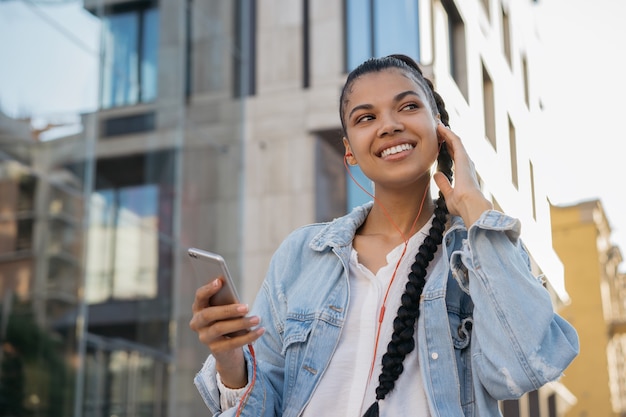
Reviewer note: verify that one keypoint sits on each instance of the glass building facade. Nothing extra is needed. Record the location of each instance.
(101, 197)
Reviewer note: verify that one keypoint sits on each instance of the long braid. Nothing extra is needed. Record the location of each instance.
(402, 340)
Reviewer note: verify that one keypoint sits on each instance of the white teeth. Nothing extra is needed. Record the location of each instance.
(396, 149)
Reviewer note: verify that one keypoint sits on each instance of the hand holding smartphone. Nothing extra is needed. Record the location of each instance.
(208, 266)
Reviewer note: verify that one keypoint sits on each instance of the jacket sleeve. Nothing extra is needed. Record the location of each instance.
(519, 343)
(265, 396)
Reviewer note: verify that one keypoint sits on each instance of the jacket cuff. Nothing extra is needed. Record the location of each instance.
(206, 384)
(490, 220)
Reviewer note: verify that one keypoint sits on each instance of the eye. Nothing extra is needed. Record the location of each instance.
(363, 118)
(409, 107)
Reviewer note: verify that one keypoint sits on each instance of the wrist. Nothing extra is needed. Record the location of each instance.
(233, 377)
(474, 208)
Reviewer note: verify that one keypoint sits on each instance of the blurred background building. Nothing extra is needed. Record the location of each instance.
(216, 126)
(597, 378)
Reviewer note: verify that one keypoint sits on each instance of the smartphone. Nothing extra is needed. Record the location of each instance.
(208, 266)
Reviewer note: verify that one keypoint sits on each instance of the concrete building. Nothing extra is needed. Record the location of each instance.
(218, 128)
(582, 239)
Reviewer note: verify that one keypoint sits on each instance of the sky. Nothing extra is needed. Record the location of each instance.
(51, 80)
(585, 63)
(584, 59)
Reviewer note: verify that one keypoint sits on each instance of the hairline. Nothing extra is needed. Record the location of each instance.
(407, 72)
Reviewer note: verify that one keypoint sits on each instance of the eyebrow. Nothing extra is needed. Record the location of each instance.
(398, 97)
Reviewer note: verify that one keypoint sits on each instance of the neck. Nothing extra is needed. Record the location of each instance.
(398, 215)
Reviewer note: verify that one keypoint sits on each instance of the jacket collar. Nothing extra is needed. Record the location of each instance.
(340, 232)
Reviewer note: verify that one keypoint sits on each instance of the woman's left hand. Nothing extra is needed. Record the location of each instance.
(464, 198)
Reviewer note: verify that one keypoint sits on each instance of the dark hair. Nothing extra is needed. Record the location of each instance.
(402, 340)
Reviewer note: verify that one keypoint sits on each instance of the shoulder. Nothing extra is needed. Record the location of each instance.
(301, 237)
(333, 234)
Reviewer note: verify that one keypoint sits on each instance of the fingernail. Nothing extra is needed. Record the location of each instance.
(255, 320)
(243, 308)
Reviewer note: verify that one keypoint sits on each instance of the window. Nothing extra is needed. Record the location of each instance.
(306, 44)
(336, 191)
(552, 406)
(130, 229)
(616, 355)
(130, 43)
(456, 47)
(358, 186)
(124, 379)
(506, 35)
(330, 177)
(533, 404)
(486, 6)
(123, 243)
(510, 408)
(532, 190)
(244, 61)
(496, 205)
(513, 151)
(489, 108)
(18, 188)
(525, 81)
(378, 28)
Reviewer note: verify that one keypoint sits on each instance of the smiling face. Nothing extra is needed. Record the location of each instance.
(390, 128)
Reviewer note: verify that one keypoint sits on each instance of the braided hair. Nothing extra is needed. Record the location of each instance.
(402, 339)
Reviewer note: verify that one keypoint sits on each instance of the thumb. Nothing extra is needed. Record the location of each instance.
(444, 185)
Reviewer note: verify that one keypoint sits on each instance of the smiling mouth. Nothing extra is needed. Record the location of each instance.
(396, 149)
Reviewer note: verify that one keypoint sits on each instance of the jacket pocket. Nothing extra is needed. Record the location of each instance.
(297, 329)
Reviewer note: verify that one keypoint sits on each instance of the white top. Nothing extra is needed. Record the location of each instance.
(345, 389)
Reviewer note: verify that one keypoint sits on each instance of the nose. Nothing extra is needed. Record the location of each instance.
(389, 124)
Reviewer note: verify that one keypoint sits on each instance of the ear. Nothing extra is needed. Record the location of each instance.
(349, 157)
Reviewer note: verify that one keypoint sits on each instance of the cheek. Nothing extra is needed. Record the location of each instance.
(433, 137)
(434, 145)
(356, 141)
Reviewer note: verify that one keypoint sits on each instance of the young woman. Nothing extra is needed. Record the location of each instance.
(404, 307)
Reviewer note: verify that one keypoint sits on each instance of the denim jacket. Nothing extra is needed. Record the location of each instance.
(487, 330)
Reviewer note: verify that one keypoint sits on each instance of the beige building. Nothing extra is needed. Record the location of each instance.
(218, 127)
(582, 238)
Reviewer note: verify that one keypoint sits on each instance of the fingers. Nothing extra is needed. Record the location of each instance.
(212, 323)
(443, 184)
(222, 328)
(462, 162)
(225, 344)
(211, 314)
(231, 333)
(452, 140)
(464, 198)
(203, 294)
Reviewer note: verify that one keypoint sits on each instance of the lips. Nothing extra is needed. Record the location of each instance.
(396, 149)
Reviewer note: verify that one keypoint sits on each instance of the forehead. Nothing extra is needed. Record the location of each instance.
(387, 82)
